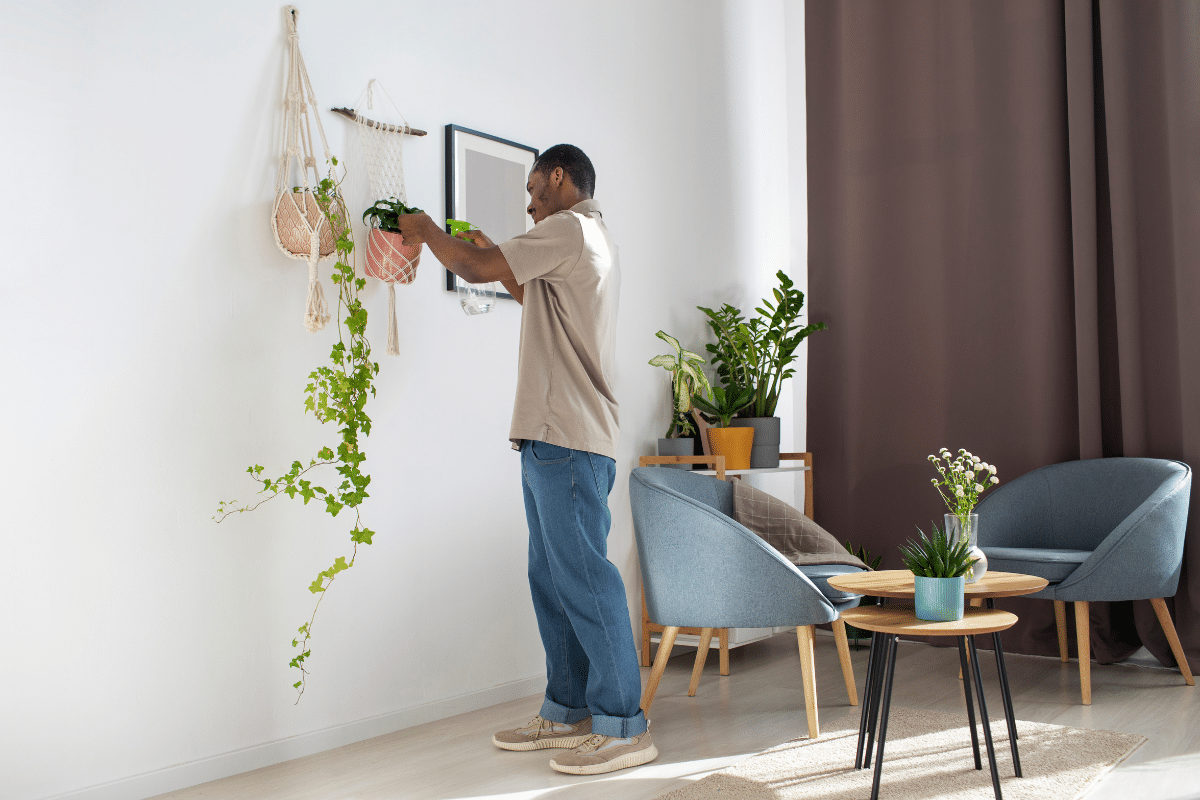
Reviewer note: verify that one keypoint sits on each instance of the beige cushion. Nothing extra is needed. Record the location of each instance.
(797, 537)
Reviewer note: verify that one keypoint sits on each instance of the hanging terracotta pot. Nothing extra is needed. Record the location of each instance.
(297, 215)
(733, 443)
(389, 258)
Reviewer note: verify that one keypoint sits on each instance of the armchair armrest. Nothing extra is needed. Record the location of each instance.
(1141, 558)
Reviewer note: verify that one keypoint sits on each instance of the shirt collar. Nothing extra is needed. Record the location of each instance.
(587, 207)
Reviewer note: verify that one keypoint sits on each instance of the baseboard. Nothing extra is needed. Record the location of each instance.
(192, 773)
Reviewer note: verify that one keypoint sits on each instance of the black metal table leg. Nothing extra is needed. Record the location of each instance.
(966, 671)
(866, 701)
(885, 655)
(987, 728)
(883, 720)
(1006, 696)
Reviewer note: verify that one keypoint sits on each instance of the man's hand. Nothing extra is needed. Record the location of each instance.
(415, 227)
(477, 237)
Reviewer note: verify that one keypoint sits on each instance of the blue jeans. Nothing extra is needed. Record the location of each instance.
(578, 594)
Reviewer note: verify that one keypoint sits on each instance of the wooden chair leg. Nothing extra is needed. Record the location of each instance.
(660, 665)
(1060, 622)
(808, 677)
(701, 654)
(723, 638)
(1083, 633)
(1164, 619)
(843, 648)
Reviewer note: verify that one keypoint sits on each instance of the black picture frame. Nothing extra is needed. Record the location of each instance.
(460, 141)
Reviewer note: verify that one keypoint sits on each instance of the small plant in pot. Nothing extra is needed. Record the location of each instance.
(388, 257)
(756, 354)
(733, 443)
(939, 567)
(687, 380)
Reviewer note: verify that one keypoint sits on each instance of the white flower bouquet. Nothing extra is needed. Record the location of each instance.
(963, 479)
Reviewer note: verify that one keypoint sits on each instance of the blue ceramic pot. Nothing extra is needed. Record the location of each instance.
(939, 599)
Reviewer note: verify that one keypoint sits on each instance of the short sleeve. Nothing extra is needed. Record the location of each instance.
(549, 251)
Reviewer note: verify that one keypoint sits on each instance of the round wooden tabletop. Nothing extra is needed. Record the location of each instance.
(898, 583)
(894, 619)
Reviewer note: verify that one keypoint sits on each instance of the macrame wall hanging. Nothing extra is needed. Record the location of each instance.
(302, 229)
(388, 258)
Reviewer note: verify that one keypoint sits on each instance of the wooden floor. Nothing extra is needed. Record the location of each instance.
(757, 706)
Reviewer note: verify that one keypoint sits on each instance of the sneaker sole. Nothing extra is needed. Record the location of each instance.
(634, 759)
(567, 742)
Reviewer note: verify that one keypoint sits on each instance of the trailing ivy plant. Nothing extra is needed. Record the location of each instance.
(336, 393)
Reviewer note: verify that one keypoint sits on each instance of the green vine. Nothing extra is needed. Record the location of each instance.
(337, 393)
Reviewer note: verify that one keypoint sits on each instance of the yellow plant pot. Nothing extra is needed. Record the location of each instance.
(733, 443)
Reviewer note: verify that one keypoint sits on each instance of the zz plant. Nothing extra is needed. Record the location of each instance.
(755, 354)
(336, 393)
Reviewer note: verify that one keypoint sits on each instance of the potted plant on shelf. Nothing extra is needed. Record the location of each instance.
(939, 567)
(388, 257)
(733, 443)
(756, 354)
(687, 379)
(961, 482)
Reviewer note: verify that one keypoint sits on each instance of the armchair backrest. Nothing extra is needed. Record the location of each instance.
(700, 568)
(1077, 504)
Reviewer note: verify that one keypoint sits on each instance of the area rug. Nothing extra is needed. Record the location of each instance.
(928, 755)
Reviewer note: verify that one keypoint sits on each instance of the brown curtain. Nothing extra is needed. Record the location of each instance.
(1004, 238)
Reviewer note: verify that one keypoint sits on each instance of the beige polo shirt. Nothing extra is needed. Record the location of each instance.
(568, 267)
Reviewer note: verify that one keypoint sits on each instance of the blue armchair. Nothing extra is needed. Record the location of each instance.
(702, 569)
(1104, 529)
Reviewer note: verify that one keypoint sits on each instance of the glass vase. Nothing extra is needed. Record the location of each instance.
(955, 534)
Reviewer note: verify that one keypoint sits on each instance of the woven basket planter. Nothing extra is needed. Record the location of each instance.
(389, 258)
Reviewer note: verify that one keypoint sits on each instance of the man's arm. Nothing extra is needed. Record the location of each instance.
(516, 290)
(468, 260)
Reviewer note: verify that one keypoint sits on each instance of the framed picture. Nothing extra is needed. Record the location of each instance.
(485, 185)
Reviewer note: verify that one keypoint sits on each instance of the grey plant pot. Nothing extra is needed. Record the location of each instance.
(677, 447)
(765, 454)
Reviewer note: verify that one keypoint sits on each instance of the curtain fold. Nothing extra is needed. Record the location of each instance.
(1004, 204)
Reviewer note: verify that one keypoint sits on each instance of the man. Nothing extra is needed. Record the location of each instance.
(565, 274)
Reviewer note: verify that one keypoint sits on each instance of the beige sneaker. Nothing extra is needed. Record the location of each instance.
(540, 734)
(606, 754)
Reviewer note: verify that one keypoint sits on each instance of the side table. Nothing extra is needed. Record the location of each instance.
(891, 621)
(898, 584)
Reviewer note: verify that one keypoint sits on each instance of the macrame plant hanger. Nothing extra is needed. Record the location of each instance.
(302, 230)
(388, 258)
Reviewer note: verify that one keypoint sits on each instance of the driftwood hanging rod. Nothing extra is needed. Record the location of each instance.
(349, 112)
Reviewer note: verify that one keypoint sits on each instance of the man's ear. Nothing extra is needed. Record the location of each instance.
(558, 176)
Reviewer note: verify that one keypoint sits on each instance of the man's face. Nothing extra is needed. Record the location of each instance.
(540, 200)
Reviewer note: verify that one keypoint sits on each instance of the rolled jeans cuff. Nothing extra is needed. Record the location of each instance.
(559, 713)
(619, 727)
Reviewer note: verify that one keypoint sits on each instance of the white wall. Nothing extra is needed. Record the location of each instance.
(152, 348)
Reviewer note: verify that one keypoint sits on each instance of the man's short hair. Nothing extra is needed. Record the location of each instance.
(573, 163)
